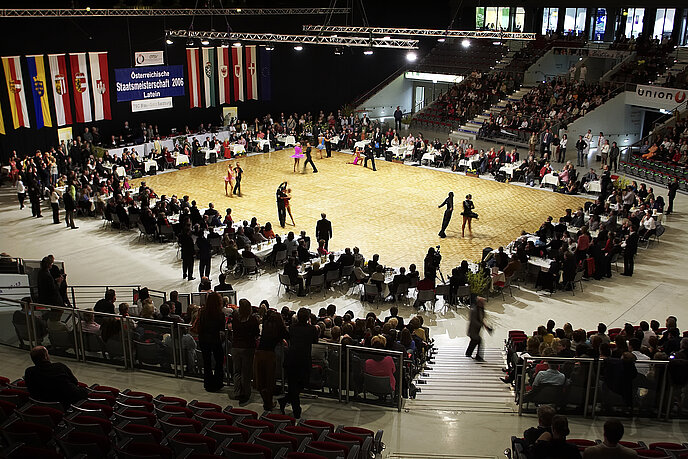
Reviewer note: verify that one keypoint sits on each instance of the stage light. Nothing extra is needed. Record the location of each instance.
(88, 8)
(496, 43)
(441, 40)
(386, 37)
(338, 51)
(238, 10)
(368, 52)
(169, 41)
(189, 42)
(225, 44)
(466, 43)
(298, 48)
(237, 44)
(269, 47)
(205, 42)
(411, 56)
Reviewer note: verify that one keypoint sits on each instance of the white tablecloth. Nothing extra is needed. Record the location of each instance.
(237, 149)
(288, 140)
(262, 143)
(510, 168)
(208, 152)
(404, 151)
(121, 172)
(181, 159)
(550, 179)
(593, 187)
(361, 143)
(430, 157)
(148, 164)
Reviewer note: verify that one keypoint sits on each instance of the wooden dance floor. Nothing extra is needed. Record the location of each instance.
(392, 212)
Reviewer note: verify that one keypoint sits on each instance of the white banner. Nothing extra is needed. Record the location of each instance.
(151, 104)
(656, 97)
(143, 58)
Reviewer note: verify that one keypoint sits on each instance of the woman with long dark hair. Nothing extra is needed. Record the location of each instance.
(211, 326)
(245, 331)
(271, 336)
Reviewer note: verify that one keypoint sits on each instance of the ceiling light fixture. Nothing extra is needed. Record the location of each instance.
(169, 41)
(441, 40)
(205, 42)
(368, 51)
(237, 44)
(298, 48)
(466, 43)
(411, 56)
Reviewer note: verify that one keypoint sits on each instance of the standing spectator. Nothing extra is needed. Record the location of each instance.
(55, 204)
(21, 192)
(211, 325)
(476, 322)
(673, 188)
(398, 115)
(245, 331)
(48, 289)
(70, 205)
(581, 145)
(302, 335)
(614, 156)
(323, 230)
(272, 335)
(204, 254)
(186, 243)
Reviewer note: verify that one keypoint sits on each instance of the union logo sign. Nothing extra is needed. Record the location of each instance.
(80, 82)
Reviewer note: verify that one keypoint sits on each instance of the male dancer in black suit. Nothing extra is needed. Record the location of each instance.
(281, 209)
(369, 155)
(323, 229)
(449, 202)
(309, 158)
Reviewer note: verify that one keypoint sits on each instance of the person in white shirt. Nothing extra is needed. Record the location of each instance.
(634, 347)
(588, 140)
(604, 151)
(645, 327)
(55, 204)
(21, 192)
(551, 376)
(648, 226)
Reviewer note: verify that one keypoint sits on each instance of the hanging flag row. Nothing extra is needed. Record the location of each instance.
(59, 77)
(221, 72)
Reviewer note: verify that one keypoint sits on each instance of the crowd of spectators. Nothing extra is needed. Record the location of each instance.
(667, 145)
(550, 105)
(652, 59)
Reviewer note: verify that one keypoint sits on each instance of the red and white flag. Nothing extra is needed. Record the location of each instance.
(223, 74)
(251, 73)
(82, 99)
(194, 78)
(59, 77)
(238, 72)
(15, 90)
(100, 84)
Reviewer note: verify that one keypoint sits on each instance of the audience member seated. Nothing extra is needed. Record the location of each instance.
(52, 382)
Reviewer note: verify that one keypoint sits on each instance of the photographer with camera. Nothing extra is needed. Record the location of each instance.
(432, 263)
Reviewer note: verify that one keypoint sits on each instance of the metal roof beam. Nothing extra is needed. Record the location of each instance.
(95, 12)
(494, 35)
(397, 43)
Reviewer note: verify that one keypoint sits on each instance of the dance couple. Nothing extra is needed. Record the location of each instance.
(468, 214)
(299, 153)
(283, 197)
(233, 179)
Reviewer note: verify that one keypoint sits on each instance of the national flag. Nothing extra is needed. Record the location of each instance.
(251, 73)
(209, 64)
(100, 85)
(265, 74)
(238, 72)
(194, 78)
(2, 123)
(15, 89)
(223, 74)
(58, 76)
(82, 99)
(39, 90)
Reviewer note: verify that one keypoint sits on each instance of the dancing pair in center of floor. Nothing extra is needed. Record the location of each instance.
(468, 214)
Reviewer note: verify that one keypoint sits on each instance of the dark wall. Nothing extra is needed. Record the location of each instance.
(311, 80)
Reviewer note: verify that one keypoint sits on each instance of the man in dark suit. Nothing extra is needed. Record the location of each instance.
(673, 188)
(369, 155)
(52, 382)
(328, 142)
(48, 289)
(323, 230)
(281, 210)
(309, 158)
(394, 312)
(630, 251)
(346, 259)
(449, 202)
(546, 142)
(188, 247)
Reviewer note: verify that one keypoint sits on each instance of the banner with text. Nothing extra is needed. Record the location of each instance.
(149, 83)
(146, 58)
(656, 97)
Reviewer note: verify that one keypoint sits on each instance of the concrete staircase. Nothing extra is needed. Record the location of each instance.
(469, 131)
(680, 64)
(458, 382)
